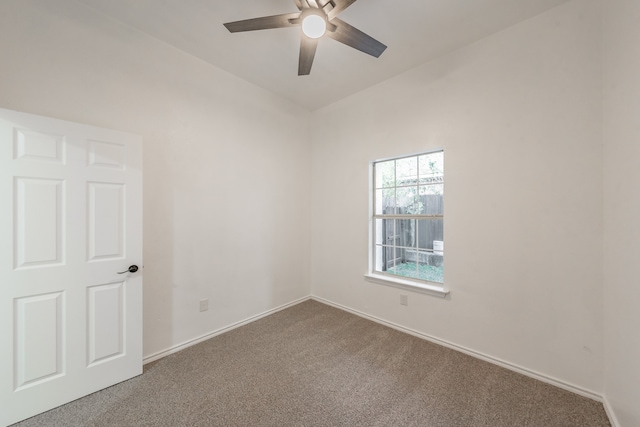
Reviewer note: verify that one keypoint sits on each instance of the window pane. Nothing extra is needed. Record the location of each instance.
(406, 268)
(392, 237)
(405, 233)
(387, 257)
(407, 171)
(416, 266)
(431, 199)
(379, 258)
(377, 231)
(407, 200)
(431, 168)
(384, 231)
(429, 231)
(385, 174)
(431, 268)
(432, 189)
(385, 201)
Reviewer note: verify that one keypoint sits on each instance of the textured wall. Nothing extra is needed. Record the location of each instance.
(226, 201)
(622, 209)
(519, 117)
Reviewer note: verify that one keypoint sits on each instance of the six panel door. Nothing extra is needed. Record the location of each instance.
(70, 221)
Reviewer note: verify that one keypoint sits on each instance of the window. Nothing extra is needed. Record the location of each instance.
(408, 221)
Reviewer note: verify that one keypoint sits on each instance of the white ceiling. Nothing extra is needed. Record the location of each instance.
(415, 31)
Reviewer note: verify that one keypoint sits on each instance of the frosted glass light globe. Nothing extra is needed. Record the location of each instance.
(314, 26)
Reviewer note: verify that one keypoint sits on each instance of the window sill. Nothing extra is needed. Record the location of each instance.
(425, 288)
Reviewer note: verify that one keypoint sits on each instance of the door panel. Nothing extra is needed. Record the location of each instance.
(38, 222)
(106, 155)
(32, 145)
(70, 220)
(39, 339)
(106, 220)
(106, 322)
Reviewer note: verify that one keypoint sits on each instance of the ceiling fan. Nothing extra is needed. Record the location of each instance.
(317, 18)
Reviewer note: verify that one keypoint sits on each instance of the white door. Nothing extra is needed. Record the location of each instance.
(70, 221)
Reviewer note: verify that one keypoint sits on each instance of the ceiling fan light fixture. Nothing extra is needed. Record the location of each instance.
(317, 18)
(314, 26)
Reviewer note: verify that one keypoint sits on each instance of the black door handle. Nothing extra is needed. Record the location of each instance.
(131, 269)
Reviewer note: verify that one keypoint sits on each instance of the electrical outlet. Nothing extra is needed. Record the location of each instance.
(204, 304)
(404, 300)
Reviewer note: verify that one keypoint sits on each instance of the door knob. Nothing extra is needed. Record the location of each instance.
(131, 269)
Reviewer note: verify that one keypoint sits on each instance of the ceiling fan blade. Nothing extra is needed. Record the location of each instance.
(307, 53)
(340, 6)
(264, 23)
(355, 38)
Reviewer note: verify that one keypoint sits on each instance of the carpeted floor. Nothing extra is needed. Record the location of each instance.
(314, 365)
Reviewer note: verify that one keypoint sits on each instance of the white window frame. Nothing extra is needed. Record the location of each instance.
(407, 283)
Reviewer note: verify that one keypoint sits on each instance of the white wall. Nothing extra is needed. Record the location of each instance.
(226, 201)
(622, 209)
(519, 116)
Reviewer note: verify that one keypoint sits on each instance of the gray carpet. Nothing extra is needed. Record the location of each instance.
(314, 365)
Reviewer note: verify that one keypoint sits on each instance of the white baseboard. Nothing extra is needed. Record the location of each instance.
(610, 413)
(189, 343)
(538, 376)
